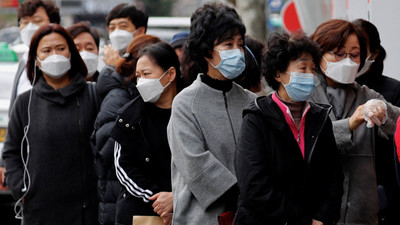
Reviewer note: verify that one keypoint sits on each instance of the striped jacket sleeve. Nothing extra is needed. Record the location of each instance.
(132, 177)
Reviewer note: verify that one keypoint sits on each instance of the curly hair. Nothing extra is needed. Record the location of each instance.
(28, 8)
(211, 24)
(283, 48)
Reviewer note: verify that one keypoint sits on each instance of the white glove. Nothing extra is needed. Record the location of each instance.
(375, 112)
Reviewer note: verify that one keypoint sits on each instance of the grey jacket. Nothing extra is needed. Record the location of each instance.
(202, 134)
(20, 70)
(357, 150)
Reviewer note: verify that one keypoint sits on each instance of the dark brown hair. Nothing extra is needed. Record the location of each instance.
(77, 64)
(127, 65)
(82, 27)
(28, 8)
(334, 33)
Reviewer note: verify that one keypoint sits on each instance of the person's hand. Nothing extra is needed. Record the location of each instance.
(162, 203)
(375, 112)
(2, 177)
(357, 118)
(111, 56)
(316, 222)
(167, 218)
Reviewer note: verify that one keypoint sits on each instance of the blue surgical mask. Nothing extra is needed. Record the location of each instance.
(300, 86)
(232, 63)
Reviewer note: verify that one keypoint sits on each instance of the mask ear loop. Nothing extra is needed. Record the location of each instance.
(252, 55)
(18, 207)
(159, 79)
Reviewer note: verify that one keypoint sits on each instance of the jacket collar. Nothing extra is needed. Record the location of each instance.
(61, 95)
(131, 113)
(109, 79)
(315, 119)
(320, 96)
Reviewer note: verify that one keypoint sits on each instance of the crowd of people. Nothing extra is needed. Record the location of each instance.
(182, 132)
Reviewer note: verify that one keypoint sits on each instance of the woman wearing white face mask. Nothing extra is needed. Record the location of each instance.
(116, 87)
(142, 155)
(355, 110)
(47, 154)
(206, 118)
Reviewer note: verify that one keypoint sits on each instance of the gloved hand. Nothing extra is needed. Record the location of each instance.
(375, 112)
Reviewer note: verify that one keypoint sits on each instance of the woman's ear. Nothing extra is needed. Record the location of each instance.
(278, 77)
(172, 74)
(141, 30)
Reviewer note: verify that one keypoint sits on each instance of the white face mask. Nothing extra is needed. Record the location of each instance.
(55, 66)
(343, 72)
(151, 89)
(120, 39)
(91, 60)
(27, 33)
(366, 66)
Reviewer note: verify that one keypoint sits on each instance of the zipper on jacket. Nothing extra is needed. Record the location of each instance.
(316, 138)
(229, 116)
(85, 192)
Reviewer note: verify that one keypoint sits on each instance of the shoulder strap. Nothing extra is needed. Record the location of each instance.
(93, 95)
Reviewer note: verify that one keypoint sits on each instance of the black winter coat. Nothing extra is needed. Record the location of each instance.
(62, 186)
(141, 170)
(110, 86)
(277, 186)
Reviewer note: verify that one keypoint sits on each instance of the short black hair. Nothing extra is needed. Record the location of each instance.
(28, 8)
(211, 24)
(283, 48)
(82, 27)
(251, 76)
(138, 17)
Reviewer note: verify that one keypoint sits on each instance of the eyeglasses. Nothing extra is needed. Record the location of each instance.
(342, 54)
